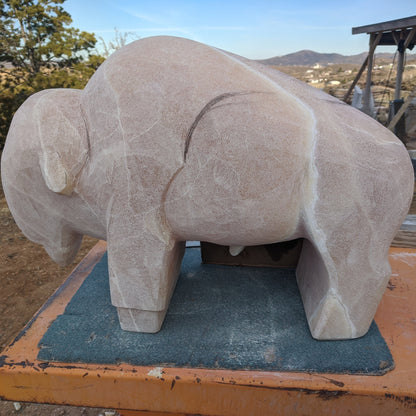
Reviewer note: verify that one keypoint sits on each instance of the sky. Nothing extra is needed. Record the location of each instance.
(255, 29)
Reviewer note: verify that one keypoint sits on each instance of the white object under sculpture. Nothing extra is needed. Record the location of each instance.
(172, 140)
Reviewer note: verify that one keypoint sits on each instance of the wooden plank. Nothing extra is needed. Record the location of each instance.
(409, 224)
(388, 39)
(356, 79)
(409, 37)
(400, 62)
(392, 38)
(395, 36)
(270, 255)
(406, 236)
(403, 108)
(386, 26)
(374, 40)
(399, 75)
(221, 392)
(363, 66)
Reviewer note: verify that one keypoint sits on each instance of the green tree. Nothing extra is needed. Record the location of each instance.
(39, 49)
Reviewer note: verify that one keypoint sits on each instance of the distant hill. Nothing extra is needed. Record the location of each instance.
(310, 58)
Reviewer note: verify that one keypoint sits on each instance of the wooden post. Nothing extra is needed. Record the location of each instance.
(374, 40)
(356, 79)
(400, 64)
(409, 37)
(403, 108)
(373, 46)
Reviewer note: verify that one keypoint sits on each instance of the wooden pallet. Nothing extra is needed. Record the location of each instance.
(406, 236)
(180, 391)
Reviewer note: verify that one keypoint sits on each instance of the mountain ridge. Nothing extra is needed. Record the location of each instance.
(307, 57)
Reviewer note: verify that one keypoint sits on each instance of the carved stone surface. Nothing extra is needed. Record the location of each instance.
(172, 140)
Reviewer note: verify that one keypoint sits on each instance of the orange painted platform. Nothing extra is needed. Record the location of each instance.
(181, 391)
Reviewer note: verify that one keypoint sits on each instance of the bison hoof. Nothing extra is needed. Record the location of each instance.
(137, 320)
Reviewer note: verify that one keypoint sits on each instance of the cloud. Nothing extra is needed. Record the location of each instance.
(225, 28)
(162, 17)
(168, 29)
(146, 17)
(184, 30)
(147, 30)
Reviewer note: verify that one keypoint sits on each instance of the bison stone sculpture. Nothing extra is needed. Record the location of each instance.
(172, 140)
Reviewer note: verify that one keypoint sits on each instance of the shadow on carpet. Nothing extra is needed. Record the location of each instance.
(219, 317)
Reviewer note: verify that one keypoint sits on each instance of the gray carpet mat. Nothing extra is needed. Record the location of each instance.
(219, 317)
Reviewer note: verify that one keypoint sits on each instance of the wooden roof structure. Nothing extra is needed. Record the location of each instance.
(391, 31)
(399, 32)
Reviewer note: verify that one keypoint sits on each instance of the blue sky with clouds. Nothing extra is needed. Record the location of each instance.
(255, 29)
